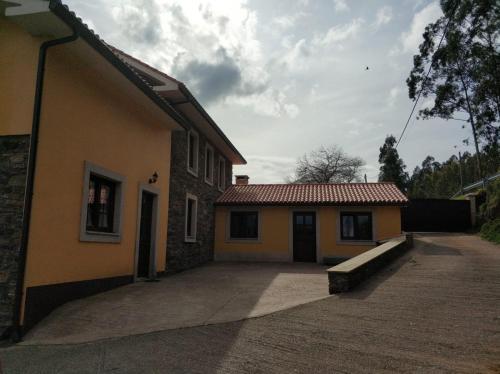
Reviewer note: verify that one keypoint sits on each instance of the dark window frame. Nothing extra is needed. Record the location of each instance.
(94, 209)
(242, 233)
(356, 226)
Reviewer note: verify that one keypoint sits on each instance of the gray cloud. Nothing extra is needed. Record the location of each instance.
(141, 23)
(211, 81)
(215, 81)
(203, 58)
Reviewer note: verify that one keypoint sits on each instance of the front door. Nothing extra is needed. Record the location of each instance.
(304, 236)
(146, 235)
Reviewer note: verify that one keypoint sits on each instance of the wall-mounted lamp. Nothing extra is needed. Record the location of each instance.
(153, 178)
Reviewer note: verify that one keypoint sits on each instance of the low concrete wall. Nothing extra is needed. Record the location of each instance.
(347, 275)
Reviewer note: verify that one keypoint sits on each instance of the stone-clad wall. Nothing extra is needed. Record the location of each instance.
(180, 254)
(13, 166)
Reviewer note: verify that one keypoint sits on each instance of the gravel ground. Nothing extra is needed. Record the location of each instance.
(437, 309)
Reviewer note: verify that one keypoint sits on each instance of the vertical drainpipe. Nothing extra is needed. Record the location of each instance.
(28, 193)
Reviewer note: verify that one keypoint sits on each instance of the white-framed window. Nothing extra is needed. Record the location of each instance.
(209, 164)
(221, 175)
(191, 217)
(102, 205)
(192, 152)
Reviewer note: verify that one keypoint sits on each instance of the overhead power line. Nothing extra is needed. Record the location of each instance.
(423, 82)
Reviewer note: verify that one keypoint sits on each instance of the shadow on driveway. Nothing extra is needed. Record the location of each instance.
(214, 293)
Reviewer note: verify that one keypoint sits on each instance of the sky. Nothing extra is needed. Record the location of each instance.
(284, 77)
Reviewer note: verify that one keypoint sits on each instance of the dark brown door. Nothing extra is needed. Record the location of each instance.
(304, 236)
(145, 238)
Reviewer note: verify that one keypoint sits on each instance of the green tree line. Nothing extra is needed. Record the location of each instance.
(433, 179)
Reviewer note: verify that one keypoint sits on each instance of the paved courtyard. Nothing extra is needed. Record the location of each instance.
(435, 310)
(214, 293)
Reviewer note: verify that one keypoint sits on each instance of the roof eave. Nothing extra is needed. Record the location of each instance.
(72, 21)
(185, 91)
(271, 204)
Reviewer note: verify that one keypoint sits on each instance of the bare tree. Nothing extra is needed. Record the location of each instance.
(327, 165)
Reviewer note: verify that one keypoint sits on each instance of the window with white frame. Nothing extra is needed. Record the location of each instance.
(191, 217)
(209, 164)
(102, 205)
(221, 176)
(192, 152)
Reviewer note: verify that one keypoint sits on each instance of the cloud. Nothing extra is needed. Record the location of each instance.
(295, 57)
(354, 126)
(288, 21)
(291, 110)
(340, 6)
(383, 17)
(411, 39)
(307, 54)
(393, 95)
(210, 46)
(215, 80)
(211, 81)
(339, 33)
(271, 103)
(268, 169)
(142, 20)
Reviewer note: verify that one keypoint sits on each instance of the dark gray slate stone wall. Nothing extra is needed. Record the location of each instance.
(182, 255)
(13, 167)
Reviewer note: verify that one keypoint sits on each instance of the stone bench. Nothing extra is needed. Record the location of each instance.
(348, 274)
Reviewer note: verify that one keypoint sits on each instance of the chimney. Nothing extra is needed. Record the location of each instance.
(242, 180)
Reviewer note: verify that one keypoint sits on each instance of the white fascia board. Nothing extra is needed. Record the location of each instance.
(165, 88)
(168, 84)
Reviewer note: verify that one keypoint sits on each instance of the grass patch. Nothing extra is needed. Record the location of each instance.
(491, 231)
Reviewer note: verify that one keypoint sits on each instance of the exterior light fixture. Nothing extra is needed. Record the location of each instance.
(153, 178)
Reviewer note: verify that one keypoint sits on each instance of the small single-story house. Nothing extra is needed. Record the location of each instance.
(324, 223)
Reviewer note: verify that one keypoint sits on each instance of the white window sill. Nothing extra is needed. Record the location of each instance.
(190, 240)
(210, 183)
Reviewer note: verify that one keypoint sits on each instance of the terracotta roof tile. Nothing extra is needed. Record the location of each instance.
(313, 194)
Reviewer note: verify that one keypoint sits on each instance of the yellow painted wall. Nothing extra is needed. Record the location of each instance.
(273, 242)
(275, 234)
(18, 62)
(90, 112)
(386, 224)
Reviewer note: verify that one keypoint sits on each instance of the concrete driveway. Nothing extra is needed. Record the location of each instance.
(434, 310)
(214, 293)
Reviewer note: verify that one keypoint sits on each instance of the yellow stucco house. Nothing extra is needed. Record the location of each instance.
(85, 145)
(323, 223)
